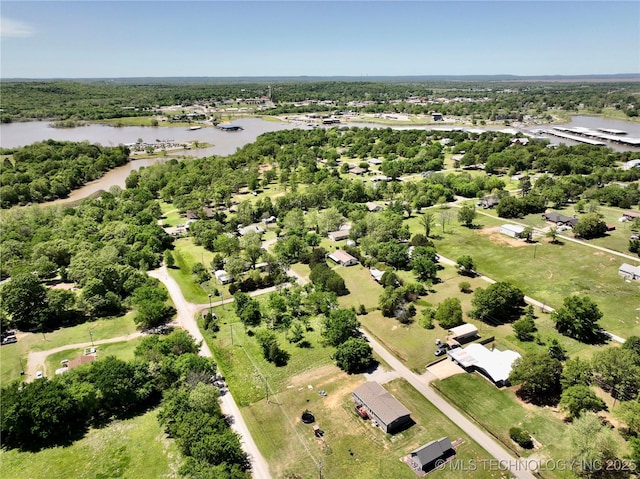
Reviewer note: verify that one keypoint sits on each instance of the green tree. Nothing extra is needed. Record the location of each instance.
(629, 412)
(590, 226)
(466, 215)
(465, 265)
(592, 444)
(499, 303)
(427, 221)
(552, 234)
(354, 355)
(538, 375)
(617, 370)
(578, 318)
(271, 349)
(169, 260)
(449, 313)
(524, 328)
(577, 399)
(24, 299)
(340, 325)
(576, 372)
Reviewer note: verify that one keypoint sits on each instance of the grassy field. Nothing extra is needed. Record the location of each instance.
(122, 350)
(187, 254)
(12, 354)
(133, 448)
(556, 272)
(478, 398)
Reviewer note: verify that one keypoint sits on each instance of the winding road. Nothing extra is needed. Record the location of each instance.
(186, 319)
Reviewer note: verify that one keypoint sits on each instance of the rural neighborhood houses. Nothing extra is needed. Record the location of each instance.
(342, 258)
(374, 401)
(629, 271)
(222, 276)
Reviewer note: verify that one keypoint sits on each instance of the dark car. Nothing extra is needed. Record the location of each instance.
(440, 351)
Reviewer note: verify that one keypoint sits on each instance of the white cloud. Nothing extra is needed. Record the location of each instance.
(10, 28)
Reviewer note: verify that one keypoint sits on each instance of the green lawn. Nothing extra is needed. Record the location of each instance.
(363, 289)
(186, 254)
(134, 448)
(480, 399)
(556, 272)
(122, 350)
(12, 354)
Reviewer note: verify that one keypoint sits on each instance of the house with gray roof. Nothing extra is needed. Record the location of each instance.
(629, 271)
(425, 457)
(380, 405)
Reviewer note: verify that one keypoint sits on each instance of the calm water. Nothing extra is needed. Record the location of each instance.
(224, 143)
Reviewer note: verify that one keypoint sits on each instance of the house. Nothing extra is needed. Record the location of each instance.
(515, 231)
(357, 171)
(246, 229)
(462, 332)
(380, 405)
(489, 202)
(375, 161)
(373, 207)
(560, 219)
(222, 276)
(378, 178)
(376, 274)
(631, 164)
(425, 457)
(343, 258)
(339, 235)
(81, 360)
(195, 214)
(495, 365)
(629, 271)
(269, 220)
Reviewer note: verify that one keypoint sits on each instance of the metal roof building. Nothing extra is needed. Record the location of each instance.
(495, 365)
(381, 406)
(425, 457)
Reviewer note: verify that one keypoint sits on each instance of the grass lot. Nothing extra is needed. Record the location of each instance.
(122, 350)
(288, 444)
(133, 448)
(11, 354)
(363, 289)
(478, 398)
(351, 447)
(186, 254)
(556, 272)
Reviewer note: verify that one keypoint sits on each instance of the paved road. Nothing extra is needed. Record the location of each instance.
(36, 359)
(186, 319)
(421, 383)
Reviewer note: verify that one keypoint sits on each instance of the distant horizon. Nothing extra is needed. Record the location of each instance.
(488, 77)
(150, 39)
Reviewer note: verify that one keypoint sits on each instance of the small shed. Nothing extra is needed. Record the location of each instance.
(222, 276)
(425, 457)
(464, 331)
(373, 207)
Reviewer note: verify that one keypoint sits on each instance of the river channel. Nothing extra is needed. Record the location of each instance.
(224, 143)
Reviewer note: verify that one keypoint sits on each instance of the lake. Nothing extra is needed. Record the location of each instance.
(224, 143)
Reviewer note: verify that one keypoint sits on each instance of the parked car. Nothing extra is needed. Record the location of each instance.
(39, 375)
(440, 351)
(9, 339)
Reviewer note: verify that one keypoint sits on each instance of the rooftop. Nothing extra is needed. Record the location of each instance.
(381, 402)
(496, 364)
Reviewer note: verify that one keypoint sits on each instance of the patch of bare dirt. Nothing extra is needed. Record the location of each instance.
(498, 238)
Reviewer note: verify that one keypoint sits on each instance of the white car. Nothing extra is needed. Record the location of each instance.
(39, 375)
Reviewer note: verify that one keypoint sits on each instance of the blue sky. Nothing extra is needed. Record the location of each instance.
(91, 39)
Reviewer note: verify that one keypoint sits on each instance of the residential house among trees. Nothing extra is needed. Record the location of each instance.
(493, 364)
(560, 219)
(343, 258)
(374, 401)
(338, 235)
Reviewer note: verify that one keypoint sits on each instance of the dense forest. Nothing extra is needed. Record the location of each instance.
(102, 99)
(51, 169)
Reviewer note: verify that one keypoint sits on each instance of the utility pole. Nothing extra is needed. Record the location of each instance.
(91, 336)
(231, 332)
(320, 468)
(21, 367)
(266, 387)
(209, 305)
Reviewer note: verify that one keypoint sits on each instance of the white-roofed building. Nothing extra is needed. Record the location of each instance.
(515, 231)
(494, 364)
(629, 271)
(222, 276)
(462, 332)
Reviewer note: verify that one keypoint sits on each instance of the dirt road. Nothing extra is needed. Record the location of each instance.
(186, 319)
